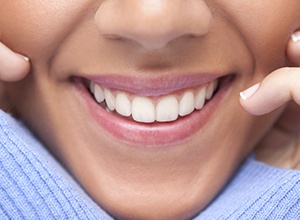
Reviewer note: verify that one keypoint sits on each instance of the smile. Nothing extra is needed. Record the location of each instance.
(152, 112)
(144, 109)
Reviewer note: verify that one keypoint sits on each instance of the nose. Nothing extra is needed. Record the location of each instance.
(153, 24)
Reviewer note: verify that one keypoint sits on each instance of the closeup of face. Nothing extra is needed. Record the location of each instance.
(139, 99)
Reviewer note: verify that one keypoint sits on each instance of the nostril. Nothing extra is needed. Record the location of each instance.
(153, 27)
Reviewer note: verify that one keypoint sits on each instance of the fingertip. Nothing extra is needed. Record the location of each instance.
(245, 99)
(24, 68)
(293, 48)
(248, 106)
(259, 98)
(13, 66)
(249, 92)
(17, 70)
(252, 108)
(24, 57)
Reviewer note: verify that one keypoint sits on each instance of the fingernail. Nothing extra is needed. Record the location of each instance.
(24, 57)
(296, 37)
(249, 92)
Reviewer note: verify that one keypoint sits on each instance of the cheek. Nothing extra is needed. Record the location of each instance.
(262, 20)
(265, 27)
(33, 27)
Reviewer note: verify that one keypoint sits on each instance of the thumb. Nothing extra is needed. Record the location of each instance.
(13, 66)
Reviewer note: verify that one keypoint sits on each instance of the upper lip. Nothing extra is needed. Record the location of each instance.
(153, 86)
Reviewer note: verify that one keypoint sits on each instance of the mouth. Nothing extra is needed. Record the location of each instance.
(155, 113)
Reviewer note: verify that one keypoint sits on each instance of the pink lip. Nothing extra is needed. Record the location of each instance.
(155, 134)
(153, 86)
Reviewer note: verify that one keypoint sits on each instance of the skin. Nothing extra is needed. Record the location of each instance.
(54, 34)
(280, 147)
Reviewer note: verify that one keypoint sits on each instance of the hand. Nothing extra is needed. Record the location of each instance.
(13, 67)
(281, 146)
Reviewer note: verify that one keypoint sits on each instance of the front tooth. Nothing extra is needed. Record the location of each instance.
(209, 91)
(200, 98)
(167, 109)
(143, 110)
(110, 100)
(187, 103)
(123, 105)
(98, 93)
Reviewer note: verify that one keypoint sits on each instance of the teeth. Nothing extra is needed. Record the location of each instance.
(200, 98)
(186, 104)
(123, 105)
(167, 109)
(99, 94)
(92, 87)
(210, 91)
(145, 109)
(110, 100)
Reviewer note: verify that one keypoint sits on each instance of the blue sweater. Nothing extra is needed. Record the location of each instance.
(33, 185)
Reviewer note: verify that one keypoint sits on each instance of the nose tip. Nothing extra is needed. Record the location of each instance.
(152, 24)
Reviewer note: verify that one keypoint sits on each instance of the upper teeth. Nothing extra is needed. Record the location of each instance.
(146, 109)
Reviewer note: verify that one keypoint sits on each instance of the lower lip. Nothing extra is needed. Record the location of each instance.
(154, 134)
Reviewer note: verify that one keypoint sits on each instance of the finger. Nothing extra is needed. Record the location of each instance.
(275, 90)
(13, 66)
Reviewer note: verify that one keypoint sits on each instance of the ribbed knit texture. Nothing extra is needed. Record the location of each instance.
(258, 191)
(33, 185)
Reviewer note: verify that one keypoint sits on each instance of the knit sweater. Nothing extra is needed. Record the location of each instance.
(33, 185)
